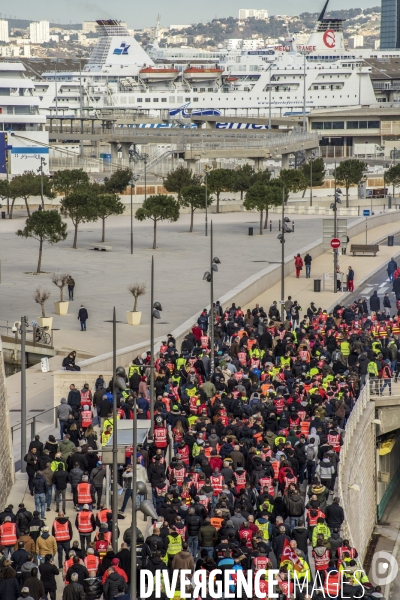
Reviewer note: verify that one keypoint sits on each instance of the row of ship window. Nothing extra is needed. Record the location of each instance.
(347, 125)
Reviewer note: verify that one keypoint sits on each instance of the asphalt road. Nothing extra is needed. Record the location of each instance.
(379, 281)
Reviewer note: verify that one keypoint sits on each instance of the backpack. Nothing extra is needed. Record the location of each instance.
(336, 355)
(310, 453)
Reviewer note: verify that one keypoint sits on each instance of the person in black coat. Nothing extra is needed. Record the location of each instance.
(300, 534)
(334, 515)
(48, 572)
(83, 316)
(279, 542)
(9, 586)
(374, 302)
(92, 587)
(124, 556)
(81, 570)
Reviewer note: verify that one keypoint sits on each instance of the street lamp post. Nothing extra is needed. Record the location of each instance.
(337, 200)
(209, 276)
(133, 181)
(156, 308)
(115, 440)
(40, 170)
(281, 238)
(312, 156)
(144, 157)
(394, 164)
(206, 172)
(23, 393)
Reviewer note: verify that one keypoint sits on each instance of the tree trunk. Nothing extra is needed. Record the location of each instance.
(347, 197)
(62, 293)
(266, 219)
(135, 304)
(261, 221)
(304, 192)
(218, 193)
(191, 219)
(27, 207)
(103, 231)
(241, 195)
(74, 245)
(12, 208)
(39, 265)
(155, 235)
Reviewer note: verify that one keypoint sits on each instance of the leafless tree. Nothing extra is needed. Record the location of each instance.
(41, 298)
(137, 289)
(60, 280)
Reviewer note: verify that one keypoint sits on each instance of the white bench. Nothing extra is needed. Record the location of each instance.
(101, 247)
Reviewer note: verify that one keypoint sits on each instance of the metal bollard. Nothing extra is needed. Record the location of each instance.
(279, 228)
(270, 225)
(33, 428)
(292, 225)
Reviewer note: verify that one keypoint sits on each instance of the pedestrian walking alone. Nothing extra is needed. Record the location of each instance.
(350, 280)
(83, 316)
(298, 263)
(307, 262)
(391, 268)
(71, 285)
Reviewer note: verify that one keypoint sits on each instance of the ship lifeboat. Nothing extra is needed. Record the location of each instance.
(158, 74)
(199, 74)
(231, 79)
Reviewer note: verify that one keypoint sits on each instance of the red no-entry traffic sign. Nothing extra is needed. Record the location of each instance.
(335, 243)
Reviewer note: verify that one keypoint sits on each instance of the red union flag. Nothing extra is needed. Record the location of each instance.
(289, 554)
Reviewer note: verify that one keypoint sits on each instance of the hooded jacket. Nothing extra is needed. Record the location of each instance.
(295, 505)
(39, 485)
(110, 588)
(183, 560)
(66, 447)
(46, 544)
(63, 410)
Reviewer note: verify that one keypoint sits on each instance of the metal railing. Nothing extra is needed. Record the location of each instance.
(383, 388)
(32, 422)
(351, 425)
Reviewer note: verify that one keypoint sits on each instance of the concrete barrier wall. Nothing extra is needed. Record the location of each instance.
(63, 379)
(357, 475)
(6, 454)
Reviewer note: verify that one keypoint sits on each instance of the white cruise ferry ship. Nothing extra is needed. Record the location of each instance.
(120, 74)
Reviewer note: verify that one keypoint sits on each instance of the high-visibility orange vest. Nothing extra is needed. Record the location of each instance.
(8, 534)
(334, 440)
(61, 531)
(305, 428)
(102, 515)
(84, 494)
(332, 584)
(91, 562)
(216, 522)
(85, 522)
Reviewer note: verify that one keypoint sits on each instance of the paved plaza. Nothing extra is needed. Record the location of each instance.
(102, 278)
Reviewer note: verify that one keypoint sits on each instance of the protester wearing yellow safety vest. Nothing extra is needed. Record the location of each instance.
(174, 540)
(320, 529)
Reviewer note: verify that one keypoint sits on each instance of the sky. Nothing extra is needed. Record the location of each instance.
(177, 12)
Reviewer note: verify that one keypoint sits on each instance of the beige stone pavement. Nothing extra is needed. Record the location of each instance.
(302, 289)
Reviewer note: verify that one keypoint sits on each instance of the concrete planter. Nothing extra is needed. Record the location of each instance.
(61, 308)
(133, 318)
(45, 322)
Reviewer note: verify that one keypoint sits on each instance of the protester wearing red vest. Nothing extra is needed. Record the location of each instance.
(8, 535)
(161, 437)
(117, 569)
(85, 524)
(91, 561)
(62, 531)
(85, 493)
